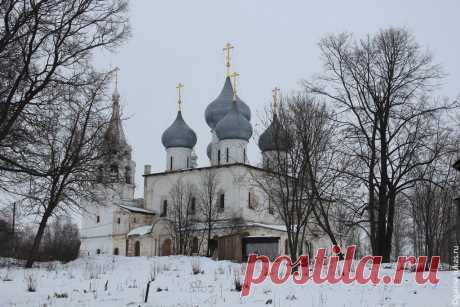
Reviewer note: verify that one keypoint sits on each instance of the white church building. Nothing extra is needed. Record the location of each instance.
(242, 217)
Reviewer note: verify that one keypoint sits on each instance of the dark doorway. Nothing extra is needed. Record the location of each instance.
(212, 246)
(195, 245)
(166, 247)
(116, 251)
(267, 246)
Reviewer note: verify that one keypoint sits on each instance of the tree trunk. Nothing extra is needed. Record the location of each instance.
(38, 238)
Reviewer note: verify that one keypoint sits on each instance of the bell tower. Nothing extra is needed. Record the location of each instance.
(118, 167)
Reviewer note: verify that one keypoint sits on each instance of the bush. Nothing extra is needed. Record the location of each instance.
(196, 266)
(31, 282)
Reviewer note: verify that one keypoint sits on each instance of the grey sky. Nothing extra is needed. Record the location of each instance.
(275, 44)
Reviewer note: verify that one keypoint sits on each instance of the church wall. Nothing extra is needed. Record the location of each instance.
(236, 151)
(234, 181)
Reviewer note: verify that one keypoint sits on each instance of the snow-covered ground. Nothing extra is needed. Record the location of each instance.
(105, 281)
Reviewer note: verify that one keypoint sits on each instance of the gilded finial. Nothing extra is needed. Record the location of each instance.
(179, 96)
(275, 95)
(228, 57)
(234, 77)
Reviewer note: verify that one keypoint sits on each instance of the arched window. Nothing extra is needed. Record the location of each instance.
(128, 175)
(98, 251)
(98, 219)
(250, 204)
(100, 174)
(244, 155)
(116, 251)
(171, 163)
(221, 202)
(218, 157)
(118, 220)
(270, 207)
(227, 154)
(193, 206)
(114, 171)
(188, 163)
(164, 210)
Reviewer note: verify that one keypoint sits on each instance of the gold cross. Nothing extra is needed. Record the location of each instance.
(275, 95)
(228, 56)
(179, 95)
(234, 76)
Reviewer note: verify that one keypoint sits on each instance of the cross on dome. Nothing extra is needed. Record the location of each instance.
(228, 56)
(179, 88)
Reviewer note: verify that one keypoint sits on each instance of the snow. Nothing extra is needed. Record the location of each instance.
(135, 209)
(140, 231)
(108, 281)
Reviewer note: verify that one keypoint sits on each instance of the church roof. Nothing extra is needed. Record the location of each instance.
(136, 209)
(114, 137)
(217, 109)
(179, 134)
(274, 137)
(234, 125)
(140, 231)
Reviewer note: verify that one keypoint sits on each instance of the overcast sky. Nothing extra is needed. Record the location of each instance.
(276, 44)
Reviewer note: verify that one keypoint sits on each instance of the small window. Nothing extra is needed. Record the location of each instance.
(98, 219)
(100, 174)
(218, 157)
(227, 154)
(193, 206)
(128, 175)
(270, 207)
(114, 170)
(250, 204)
(244, 155)
(118, 220)
(98, 251)
(171, 163)
(116, 251)
(222, 202)
(188, 163)
(164, 211)
(134, 220)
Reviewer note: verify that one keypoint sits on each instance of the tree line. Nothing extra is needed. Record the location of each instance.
(371, 150)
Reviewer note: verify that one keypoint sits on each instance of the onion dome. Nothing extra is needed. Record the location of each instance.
(234, 125)
(217, 109)
(275, 137)
(179, 134)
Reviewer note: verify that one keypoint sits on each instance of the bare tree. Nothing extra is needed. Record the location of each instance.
(181, 215)
(432, 209)
(301, 182)
(67, 147)
(46, 44)
(208, 193)
(379, 86)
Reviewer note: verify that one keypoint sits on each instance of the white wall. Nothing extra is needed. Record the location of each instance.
(235, 181)
(236, 151)
(180, 156)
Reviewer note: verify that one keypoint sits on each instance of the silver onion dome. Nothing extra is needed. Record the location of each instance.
(217, 109)
(274, 137)
(179, 134)
(234, 125)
